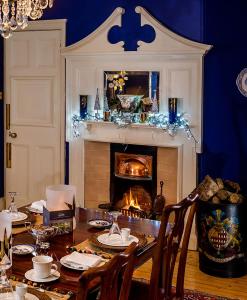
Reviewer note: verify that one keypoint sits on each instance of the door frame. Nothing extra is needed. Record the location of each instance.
(44, 25)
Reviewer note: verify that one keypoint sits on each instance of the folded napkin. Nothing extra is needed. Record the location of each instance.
(39, 205)
(83, 259)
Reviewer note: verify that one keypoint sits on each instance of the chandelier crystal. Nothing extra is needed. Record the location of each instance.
(15, 13)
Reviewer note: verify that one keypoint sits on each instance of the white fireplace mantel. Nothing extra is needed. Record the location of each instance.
(180, 63)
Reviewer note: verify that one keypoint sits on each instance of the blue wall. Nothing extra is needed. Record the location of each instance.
(225, 109)
(1, 124)
(220, 23)
(184, 17)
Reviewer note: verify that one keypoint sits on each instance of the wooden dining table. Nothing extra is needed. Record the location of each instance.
(60, 246)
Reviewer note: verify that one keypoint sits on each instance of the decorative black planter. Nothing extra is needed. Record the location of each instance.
(222, 239)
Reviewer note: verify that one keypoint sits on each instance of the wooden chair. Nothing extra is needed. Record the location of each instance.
(115, 277)
(165, 254)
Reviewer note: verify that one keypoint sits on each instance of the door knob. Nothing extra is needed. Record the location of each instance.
(13, 134)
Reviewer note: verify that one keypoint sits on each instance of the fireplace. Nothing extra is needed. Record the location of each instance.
(133, 176)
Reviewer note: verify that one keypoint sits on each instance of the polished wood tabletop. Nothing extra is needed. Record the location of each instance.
(59, 245)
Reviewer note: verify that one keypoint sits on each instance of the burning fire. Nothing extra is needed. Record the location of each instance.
(131, 201)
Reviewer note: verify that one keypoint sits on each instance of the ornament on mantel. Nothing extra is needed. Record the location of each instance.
(106, 106)
(97, 104)
(155, 108)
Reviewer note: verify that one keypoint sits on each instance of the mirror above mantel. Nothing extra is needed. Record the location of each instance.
(131, 91)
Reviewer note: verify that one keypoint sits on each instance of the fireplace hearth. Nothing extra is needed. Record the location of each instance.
(133, 179)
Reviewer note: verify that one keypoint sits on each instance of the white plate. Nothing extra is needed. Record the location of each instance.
(116, 240)
(242, 82)
(30, 275)
(19, 217)
(74, 266)
(28, 296)
(99, 223)
(22, 249)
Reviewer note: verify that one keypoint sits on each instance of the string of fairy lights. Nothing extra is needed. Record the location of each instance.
(156, 120)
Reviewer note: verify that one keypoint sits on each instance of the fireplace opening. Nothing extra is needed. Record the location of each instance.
(133, 182)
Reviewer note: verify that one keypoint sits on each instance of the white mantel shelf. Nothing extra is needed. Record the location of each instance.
(91, 127)
(144, 125)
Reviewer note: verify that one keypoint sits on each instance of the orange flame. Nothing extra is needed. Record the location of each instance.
(131, 201)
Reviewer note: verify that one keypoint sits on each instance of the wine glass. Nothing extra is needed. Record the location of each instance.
(12, 207)
(115, 228)
(6, 291)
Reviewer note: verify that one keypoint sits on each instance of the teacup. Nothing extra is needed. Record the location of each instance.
(43, 266)
(125, 233)
(21, 290)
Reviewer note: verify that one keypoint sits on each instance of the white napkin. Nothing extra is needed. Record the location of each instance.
(5, 224)
(39, 205)
(83, 259)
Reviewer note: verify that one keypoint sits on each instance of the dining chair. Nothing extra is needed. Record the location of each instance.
(115, 277)
(166, 252)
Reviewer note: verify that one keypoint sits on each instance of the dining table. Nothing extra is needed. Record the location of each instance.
(61, 245)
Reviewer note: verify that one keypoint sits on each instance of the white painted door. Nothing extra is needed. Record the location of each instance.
(33, 89)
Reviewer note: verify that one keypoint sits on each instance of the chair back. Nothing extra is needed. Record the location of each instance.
(115, 277)
(166, 251)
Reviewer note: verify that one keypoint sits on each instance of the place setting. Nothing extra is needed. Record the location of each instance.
(116, 238)
(17, 217)
(23, 292)
(44, 270)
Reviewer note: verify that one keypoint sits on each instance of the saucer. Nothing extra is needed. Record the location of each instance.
(22, 249)
(30, 275)
(99, 223)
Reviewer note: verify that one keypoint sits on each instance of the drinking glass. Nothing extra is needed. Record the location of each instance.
(12, 207)
(6, 291)
(115, 228)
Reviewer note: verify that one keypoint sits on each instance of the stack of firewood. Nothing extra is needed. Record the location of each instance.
(219, 191)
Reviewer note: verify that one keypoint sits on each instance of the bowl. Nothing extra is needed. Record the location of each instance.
(129, 103)
(43, 233)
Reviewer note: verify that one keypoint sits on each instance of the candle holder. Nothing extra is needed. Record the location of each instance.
(143, 117)
(83, 106)
(172, 109)
(107, 116)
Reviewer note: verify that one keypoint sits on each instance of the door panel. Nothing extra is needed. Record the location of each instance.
(32, 101)
(19, 179)
(33, 85)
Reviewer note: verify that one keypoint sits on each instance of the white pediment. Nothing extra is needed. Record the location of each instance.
(97, 41)
(165, 42)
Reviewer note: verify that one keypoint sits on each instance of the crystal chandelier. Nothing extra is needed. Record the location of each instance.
(15, 13)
